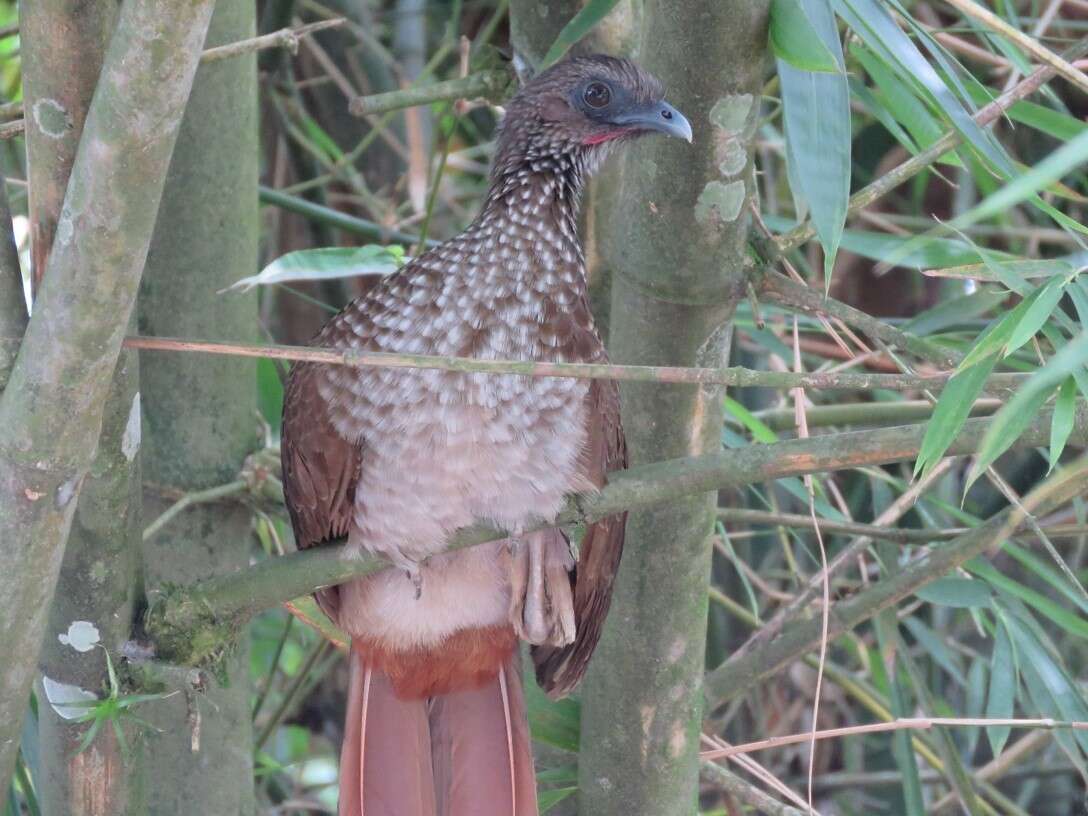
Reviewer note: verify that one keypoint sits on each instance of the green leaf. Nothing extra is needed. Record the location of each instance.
(934, 647)
(270, 392)
(952, 409)
(816, 113)
(901, 103)
(872, 22)
(1069, 621)
(580, 24)
(954, 312)
(547, 799)
(961, 593)
(1054, 123)
(1014, 416)
(557, 723)
(1052, 689)
(798, 40)
(1061, 424)
(325, 263)
(1036, 314)
(1069, 157)
(1002, 692)
(756, 427)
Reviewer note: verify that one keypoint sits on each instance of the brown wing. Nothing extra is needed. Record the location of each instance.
(559, 669)
(320, 470)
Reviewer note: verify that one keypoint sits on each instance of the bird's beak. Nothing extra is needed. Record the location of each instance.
(659, 116)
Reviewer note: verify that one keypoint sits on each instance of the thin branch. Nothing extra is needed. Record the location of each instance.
(223, 603)
(190, 499)
(284, 38)
(900, 535)
(493, 85)
(901, 724)
(732, 376)
(327, 215)
(889, 181)
(9, 130)
(746, 792)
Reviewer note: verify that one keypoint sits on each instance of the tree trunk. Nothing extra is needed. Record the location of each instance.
(52, 408)
(678, 249)
(200, 413)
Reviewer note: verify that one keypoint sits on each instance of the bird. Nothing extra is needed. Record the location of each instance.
(396, 460)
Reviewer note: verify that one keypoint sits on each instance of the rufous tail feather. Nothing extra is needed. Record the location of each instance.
(466, 753)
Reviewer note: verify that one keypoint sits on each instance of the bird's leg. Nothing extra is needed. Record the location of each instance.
(516, 539)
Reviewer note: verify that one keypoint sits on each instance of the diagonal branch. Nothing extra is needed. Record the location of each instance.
(191, 624)
(736, 676)
(774, 287)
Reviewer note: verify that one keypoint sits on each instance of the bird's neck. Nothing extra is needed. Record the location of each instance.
(531, 211)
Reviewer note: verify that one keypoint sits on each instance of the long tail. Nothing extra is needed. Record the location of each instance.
(466, 753)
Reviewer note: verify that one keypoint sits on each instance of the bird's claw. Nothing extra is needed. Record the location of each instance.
(415, 575)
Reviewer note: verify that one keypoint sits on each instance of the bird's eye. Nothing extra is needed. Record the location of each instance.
(597, 95)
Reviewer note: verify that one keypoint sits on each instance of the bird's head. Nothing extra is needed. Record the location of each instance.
(579, 107)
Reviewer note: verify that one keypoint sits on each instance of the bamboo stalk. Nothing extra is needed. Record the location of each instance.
(51, 417)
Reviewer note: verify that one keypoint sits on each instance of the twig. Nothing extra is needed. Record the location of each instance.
(327, 215)
(9, 130)
(903, 723)
(889, 181)
(1029, 44)
(733, 376)
(493, 85)
(191, 499)
(900, 535)
(747, 792)
(284, 38)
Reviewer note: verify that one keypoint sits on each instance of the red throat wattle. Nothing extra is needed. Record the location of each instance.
(606, 136)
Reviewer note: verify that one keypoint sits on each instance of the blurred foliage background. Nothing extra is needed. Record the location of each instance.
(980, 251)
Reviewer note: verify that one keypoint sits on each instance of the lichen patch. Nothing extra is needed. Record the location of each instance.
(719, 203)
(52, 118)
(730, 113)
(81, 636)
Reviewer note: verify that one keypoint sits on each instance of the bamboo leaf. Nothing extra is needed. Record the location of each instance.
(935, 648)
(1002, 691)
(1069, 621)
(961, 593)
(1014, 416)
(325, 263)
(871, 21)
(580, 24)
(1061, 425)
(547, 799)
(1070, 156)
(1036, 314)
(798, 40)
(952, 409)
(816, 112)
(1027, 269)
(557, 723)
